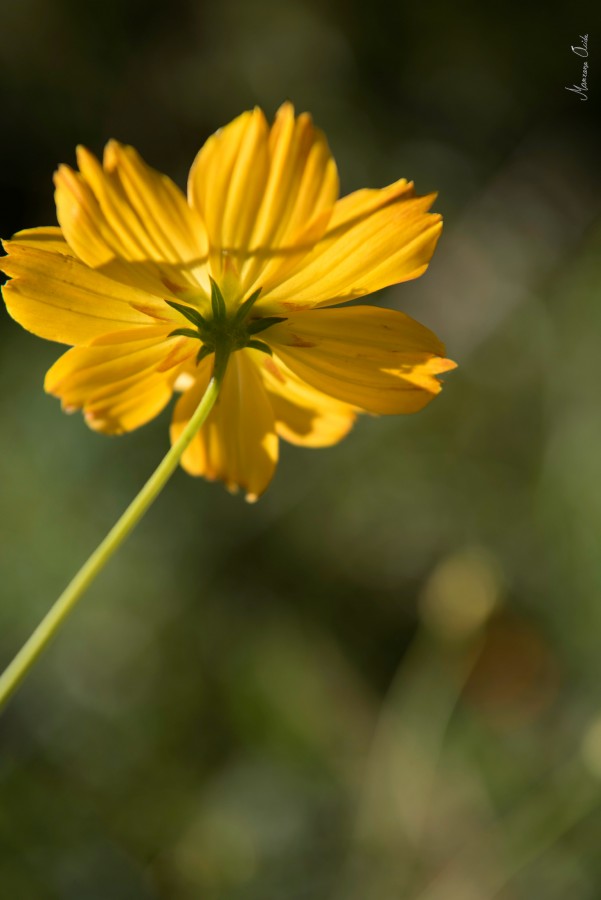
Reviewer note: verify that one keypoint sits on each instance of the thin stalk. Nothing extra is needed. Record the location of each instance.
(16, 671)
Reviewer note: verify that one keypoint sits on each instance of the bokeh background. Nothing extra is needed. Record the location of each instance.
(383, 681)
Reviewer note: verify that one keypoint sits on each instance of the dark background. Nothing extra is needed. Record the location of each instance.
(382, 681)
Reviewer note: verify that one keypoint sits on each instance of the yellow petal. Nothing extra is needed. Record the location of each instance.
(377, 359)
(168, 227)
(131, 222)
(226, 182)
(57, 297)
(117, 381)
(49, 238)
(298, 199)
(266, 195)
(304, 416)
(374, 239)
(237, 444)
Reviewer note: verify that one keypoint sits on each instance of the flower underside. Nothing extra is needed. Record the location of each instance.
(148, 286)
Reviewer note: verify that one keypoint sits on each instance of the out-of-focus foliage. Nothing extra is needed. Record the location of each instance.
(383, 681)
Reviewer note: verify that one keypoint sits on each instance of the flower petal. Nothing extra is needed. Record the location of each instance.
(57, 297)
(304, 416)
(374, 239)
(48, 237)
(266, 195)
(118, 381)
(132, 222)
(226, 183)
(166, 224)
(377, 359)
(237, 444)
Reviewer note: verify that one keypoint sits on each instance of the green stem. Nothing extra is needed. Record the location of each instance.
(16, 671)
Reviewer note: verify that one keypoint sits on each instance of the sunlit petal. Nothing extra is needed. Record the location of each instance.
(266, 195)
(57, 297)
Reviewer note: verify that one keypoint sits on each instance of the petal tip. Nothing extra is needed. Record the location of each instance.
(111, 153)
(446, 365)
(285, 109)
(62, 174)
(83, 155)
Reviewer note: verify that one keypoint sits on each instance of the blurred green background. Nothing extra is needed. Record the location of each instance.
(383, 681)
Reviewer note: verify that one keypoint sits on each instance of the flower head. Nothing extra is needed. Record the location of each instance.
(145, 285)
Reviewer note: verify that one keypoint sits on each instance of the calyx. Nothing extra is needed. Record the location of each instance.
(223, 332)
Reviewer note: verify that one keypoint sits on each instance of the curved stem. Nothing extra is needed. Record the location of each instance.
(45, 631)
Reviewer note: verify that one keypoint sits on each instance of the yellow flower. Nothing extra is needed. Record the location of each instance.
(138, 280)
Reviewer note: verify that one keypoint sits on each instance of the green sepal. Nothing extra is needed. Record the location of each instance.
(259, 325)
(184, 332)
(203, 353)
(259, 345)
(246, 307)
(192, 315)
(217, 302)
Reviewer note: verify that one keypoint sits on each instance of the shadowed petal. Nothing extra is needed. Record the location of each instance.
(374, 239)
(377, 359)
(237, 444)
(120, 381)
(304, 416)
